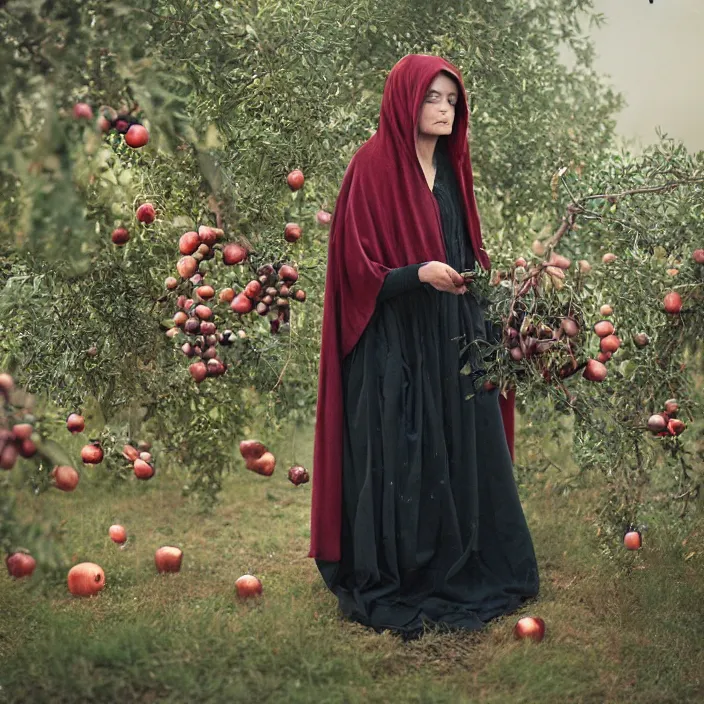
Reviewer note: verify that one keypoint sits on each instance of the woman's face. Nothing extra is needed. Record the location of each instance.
(438, 111)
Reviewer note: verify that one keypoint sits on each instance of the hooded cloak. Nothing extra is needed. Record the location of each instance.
(385, 217)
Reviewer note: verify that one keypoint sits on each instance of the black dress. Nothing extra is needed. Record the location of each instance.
(433, 531)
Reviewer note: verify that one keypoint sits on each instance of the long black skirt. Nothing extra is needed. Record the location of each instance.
(433, 531)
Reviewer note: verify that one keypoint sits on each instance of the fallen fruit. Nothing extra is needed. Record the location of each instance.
(117, 534)
(248, 586)
(529, 627)
(20, 564)
(85, 579)
(632, 540)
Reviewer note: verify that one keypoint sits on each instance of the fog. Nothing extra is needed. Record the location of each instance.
(653, 55)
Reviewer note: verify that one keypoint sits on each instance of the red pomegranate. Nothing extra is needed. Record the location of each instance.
(295, 180)
(82, 111)
(288, 274)
(198, 371)
(136, 136)
(252, 289)
(323, 217)
(604, 328)
(168, 559)
(292, 232)
(248, 586)
(233, 254)
(595, 371)
(117, 534)
(675, 426)
(65, 477)
(186, 267)
(188, 243)
(92, 454)
(120, 236)
(20, 564)
(142, 469)
(146, 213)
(610, 343)
(698, 256)
(241, 304)
(657, 423)
(672, 303)
(86, 579)
(298, 475)
(75, 423)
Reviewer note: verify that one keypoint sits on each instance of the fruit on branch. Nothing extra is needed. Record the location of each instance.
(295, 180)
(205, 293)
(188, 243)
(146, 213)
(604, 328)
(672, 303)
(168, 559)
(142, 469)
(610, 343)
(241, 304)
(671, 406)
(583, 266)
(559, 261)
(657, 423)
(288, 274)
(698, 256)
(227, 295)
(171, 283)
(675, 426)
(606, 310)
(92, 454)
(82, 111)
(65, 478)
(292, 232)
(298, 475)
(264, 465)
(569, 327)
(86, 579)
(6, 384)
(252, 289)
(603, 357)
(186, 267)
(608, 258)
(209, 235)
(120, 236)
(233, 254)
(323, 217)
(136, 136)
(640, 340)
(198, 371)
(75, 423)
(595, 371)
(538, 248)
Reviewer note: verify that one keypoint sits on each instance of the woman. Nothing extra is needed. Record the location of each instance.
(416, 518)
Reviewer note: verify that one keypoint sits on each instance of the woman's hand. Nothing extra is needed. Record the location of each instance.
(442, 277)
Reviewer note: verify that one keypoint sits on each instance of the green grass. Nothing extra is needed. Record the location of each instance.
(624, 630)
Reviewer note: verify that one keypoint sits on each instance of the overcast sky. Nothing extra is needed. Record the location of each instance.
(654, 55)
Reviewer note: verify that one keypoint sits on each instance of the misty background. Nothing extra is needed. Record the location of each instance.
(653, 55)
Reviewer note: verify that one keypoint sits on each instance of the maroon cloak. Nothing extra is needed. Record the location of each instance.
(385, 217)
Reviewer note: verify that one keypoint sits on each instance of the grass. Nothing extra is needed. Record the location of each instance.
(624, 630)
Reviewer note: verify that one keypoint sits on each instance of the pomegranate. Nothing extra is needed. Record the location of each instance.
(610, 343)
(595, 371)
(529, 627)
(144, 446)
(198, 371)
(208, 235)
(292, 232)
(189, 303)
(86, 579)
(295, 180)
(75, 423)
(657, 423)
(136, 136)
(263, 465)
(671, 406)
(22, 431)
(82, 111)
(186, 267)
(188, 243)
(675, 426)
(241, 304)
(121, 125)
(145, 456)
(538, 248)
(252, 449)
(569, 327)
(632, 540)
(248, 586)
(92, 454)
(205, 293)
(241, 334)
(640, 340)
(323, 217)
(262, 308)
(20, 564)
(672, 303)
(233, 254)
(300, 295)
(288, 273)
(559, 261)
(170, 282)
(520, 262)
(608, 258)
(103, 124)
(583, 266)
(603, 357)
(298, 475)
(168, 559)
(65, 477)
(180, 318)
(604, 328)
(130, 453)
(606, 310)
(6, 383)
(698, 256)
(226, 295)
(192, 326)
(142, 469)
(120, 236)
(252, 289)
(172, 332)
(27, 448)
(208, 328)
(146, 213)
(117, 534)
(203, 312)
